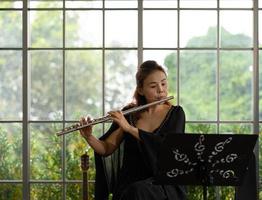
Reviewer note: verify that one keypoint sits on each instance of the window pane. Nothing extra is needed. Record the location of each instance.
(160, 4)
(260, 84)
(227, 192)
(236, 128)
(45, 4)
(83, 84)
(83, 4)
(46, 28)
(233, 33)
(168, 60)
(84, 28)
(201, 128)
(198, 84)
(10, 151)
(11, 85)
(10, 191)
(46, 85)
(236, 85)
(11, 4)
(75, 147)
(158, 29)
(10, 29)
(120, 70)
(121, 3)
(260, 29)
(236, 4)
(45, 152)
(198, 4)
(74, 191)
(198, 28)
(196, 192)
(45, 191)
(121, 28)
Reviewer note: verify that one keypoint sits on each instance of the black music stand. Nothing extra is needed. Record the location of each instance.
(204, 159)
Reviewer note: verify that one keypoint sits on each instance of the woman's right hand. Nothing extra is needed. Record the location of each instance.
(87, 131)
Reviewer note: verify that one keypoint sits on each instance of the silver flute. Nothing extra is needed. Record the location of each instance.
(107, 118)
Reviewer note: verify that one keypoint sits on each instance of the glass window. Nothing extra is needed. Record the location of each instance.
(46, 29)
(236, 128)
(11, 191)
(260, 29)
(83, 83)
(159, 28)
(45, 4)
(120, 4)
(81, 59)
(121, 28)
(84, 29)
(45, 191)
(46, 85)
(236, 85)
(260, 84)
(233, 33)
(11, 85)
(201, 128)
(198, 84)
(10, 151)
(45, 152)
(120, 71)
(83, 4)
(160, 4)
(198, 4)
(236, 4)
(11, 36)
(200, 25)
(11, 4)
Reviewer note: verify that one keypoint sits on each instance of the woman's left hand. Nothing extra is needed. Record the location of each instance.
(118, 117)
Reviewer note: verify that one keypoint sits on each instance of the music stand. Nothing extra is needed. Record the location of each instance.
(204, 159)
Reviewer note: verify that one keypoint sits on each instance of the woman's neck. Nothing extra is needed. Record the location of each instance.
(156, 108)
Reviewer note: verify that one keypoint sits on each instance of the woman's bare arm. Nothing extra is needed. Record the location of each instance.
(102, 147)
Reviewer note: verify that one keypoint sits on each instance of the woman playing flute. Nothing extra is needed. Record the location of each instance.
(133, 141)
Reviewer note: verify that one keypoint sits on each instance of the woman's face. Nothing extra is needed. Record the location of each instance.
(154, 86)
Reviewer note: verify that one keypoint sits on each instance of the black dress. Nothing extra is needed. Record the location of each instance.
(129, 172)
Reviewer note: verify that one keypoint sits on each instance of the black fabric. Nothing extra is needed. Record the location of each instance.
(129, 172)
(248, 190)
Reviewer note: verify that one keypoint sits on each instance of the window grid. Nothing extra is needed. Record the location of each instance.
(26, 99)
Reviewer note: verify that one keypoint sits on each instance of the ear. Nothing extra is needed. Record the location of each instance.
(140, 91)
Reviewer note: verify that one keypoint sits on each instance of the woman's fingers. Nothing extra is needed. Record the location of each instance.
(85, 120)
(85, 130)
(115, 114)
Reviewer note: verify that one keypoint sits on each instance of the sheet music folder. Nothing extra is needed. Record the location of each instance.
(204, 159)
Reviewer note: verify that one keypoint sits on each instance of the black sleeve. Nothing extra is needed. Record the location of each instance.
(103, 178)
(179, 120)
(107, 167)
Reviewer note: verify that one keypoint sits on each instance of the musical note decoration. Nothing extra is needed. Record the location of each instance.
(213, 159)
